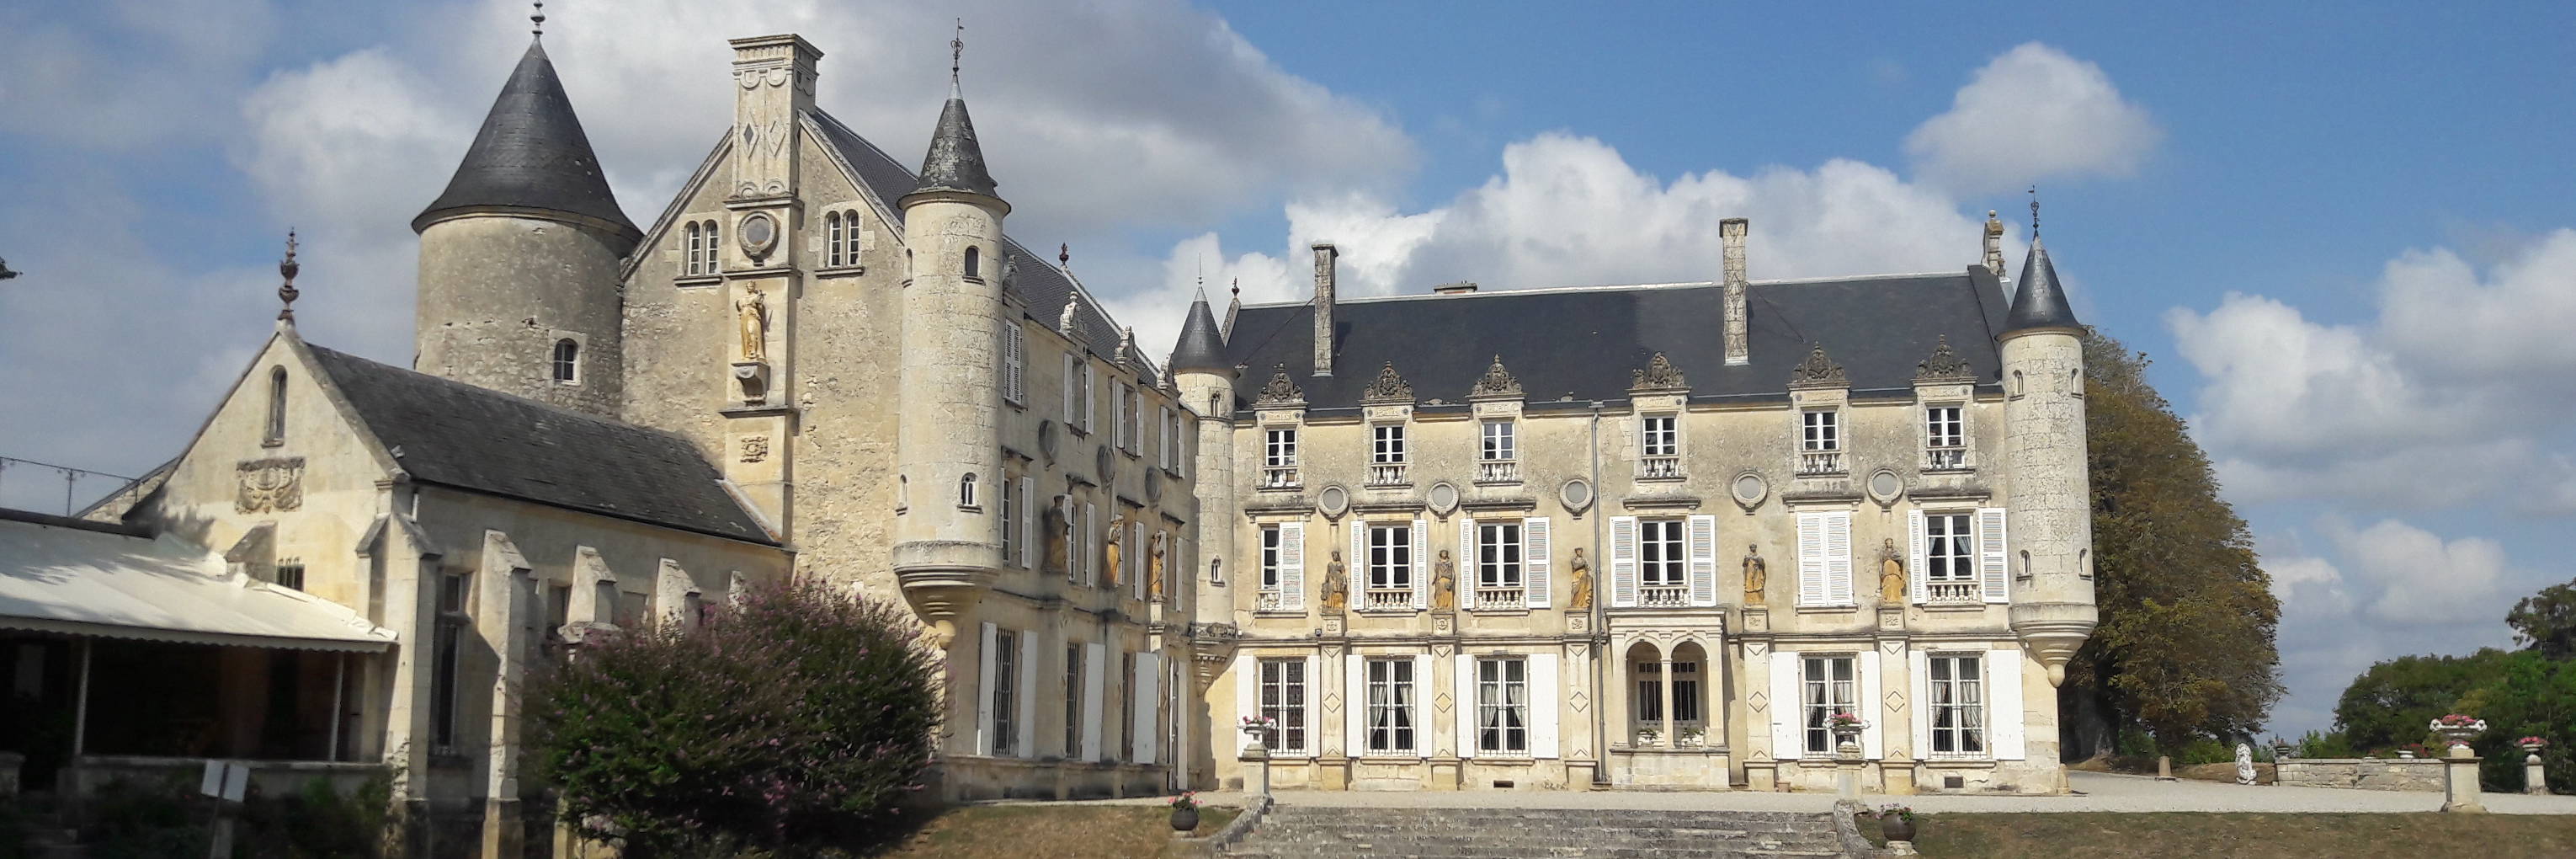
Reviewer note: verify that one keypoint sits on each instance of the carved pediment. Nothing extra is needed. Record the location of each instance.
(1818, 371)
(1497, 382)
(1389, 387)
(1281, 391)
(270, 485)
(1944, 366)
(1659, 375)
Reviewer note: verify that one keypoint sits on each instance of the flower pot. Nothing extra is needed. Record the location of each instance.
(1896, 827)
(1185, 819)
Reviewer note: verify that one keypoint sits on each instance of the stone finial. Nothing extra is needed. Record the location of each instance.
(1818, 371)
(1126, 354)
(1659, 375)
(1388, 388)
(1497, 383)
(537, 21)
(1994, 257)
(1944, 367)
(286, 291)
(1280, 391)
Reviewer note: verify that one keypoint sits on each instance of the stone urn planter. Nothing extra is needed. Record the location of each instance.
(1896, 827)
(2456, 732)
(1847, 729)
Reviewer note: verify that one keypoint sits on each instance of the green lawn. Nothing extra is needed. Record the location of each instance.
(2270, 836)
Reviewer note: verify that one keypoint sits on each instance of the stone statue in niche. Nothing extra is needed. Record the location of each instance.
(1444, 582)
(1056, 536)
(1111, 550)
(1154, 567)
(1582, 582)
(1757, 574)
(754, 316)
(1337, 584)
(1891, 573)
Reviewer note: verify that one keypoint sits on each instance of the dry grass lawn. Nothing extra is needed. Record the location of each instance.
(1050, 831)
(2269, 836)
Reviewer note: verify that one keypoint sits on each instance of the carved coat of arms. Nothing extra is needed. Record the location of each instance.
(270, 485)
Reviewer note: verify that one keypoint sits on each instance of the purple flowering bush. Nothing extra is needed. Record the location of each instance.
(797, 719)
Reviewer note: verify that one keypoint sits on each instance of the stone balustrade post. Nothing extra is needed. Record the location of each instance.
(2534, 781)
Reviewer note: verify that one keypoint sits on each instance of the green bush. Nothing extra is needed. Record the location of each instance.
(800, 717)
(2326, 744)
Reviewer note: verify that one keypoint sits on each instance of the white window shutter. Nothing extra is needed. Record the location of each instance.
(1354, 705)
(1163, 437)
(1623, 562)
(1786, 712)
(1094, 663)
(984, 692)
(1088, 543)
(1992, 566)
(1536, 564)
(1025, 718)
(1701, 547)
(1421, 578)
(1466, 561)
(1072, 401)
(1871, 705)
(1292, 566)
(1811, 559)
(1422, 713)
(1463, 685)
(1011, 360)
(1247, 695)
(1314, 684)
(1117, 416)
(2003, 704)
(1091, 399)
(1027, 510)
(1148, 708)
(1358, 566)
(1838, 559)
(1916, 576)
(1918, 669)
(1543, 697)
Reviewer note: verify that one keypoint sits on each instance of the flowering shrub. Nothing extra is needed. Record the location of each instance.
(1844, 721)
(1259, 724)
(800, 716)
(1188, 799)
(2456, 720)
(2536, 742)
(1893, 810)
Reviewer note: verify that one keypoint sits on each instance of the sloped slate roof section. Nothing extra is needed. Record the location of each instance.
(2040, 301)
(955, 161)
(1199, 347)
(532, 154)
(454, 434)
(1580, 345)
(1042, 286)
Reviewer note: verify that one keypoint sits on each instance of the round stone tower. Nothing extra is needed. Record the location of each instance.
(1206, 383)
(2049, 505)
(520, 257)
(948, 450)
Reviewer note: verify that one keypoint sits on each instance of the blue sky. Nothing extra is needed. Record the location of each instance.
(2344, 232)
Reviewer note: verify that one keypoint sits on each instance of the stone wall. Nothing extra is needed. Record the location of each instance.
(2424, 774)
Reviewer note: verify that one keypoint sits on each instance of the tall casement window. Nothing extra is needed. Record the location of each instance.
(974, 263)
(276, 431)
(840, 239)
(1957, 689)
(1386, 455)
(1686, 693)
(1659, 447)
(1498, 566)
(1648, 705)
(1390, 565)
(1015, 364)
(1949, 559)
(567, 362)
(1270, 567)
(1502, 706)
(1011, 504)
(1825, 687)
(1283, 699)
(1390, 706)
(1006, 699)
(1498, 453)
(1820, 442)
(1072, 699)
(447, 651)
(704, 240)
(1279, 458)
(1661, 559)
(1945, 438)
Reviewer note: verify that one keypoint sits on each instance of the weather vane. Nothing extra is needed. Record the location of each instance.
(286, 292)
(538, 18)
(2034, 210)
(956, 52)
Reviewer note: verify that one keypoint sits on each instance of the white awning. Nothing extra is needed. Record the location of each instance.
(73, 580)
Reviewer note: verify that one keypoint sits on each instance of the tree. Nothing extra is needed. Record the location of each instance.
(798, 717)
(2185, 648)
(2393, 703)
(2546, 621)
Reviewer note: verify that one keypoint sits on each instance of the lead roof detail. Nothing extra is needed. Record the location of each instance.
(531, 154)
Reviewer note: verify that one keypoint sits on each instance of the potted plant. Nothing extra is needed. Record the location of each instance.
(1846, 728)
(2532, 745)
(1260, 729)
(1185, 812)
(2414, 750)
(1895, 822)
(2457, 730)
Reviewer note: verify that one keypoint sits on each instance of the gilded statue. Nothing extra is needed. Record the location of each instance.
(1154, 568)
(1582, 582)
(1110, 551)
(1891, 573)
(1337, 585)
(1757, 574)
(755, 324)
(1444, 582)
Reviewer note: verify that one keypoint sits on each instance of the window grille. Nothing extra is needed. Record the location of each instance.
(1283, 699)
(1006, 673)
(1827, 687)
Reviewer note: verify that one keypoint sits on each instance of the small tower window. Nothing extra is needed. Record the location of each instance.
(966, 491)
(567, 362)
(276, 433)
(974, 262)
(2016, 383)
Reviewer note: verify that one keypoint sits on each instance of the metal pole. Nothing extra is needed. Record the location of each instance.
(339, 692)
(80, 707)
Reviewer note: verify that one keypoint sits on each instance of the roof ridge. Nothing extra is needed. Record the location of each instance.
(1620, 287)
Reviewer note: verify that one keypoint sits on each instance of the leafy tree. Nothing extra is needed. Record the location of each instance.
(2185, 648)
(2546, 621)
(2392, 703)
(2535, 695)
(798, 718)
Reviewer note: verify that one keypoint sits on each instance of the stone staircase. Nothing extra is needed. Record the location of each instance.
(1323, 832)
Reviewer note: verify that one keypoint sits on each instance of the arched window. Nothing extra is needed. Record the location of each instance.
(696, 247)
(966, 491)
(567, 362)
(974, 262)
(832, 239)
(2016, 383)
(276, 406)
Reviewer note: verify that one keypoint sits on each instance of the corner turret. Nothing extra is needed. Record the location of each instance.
(2049, 495)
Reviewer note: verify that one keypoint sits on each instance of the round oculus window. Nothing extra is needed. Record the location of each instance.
(759, 232)
(1884, 486)
(1749, 489)
(1444, 497)
(1577, 494)
(1334, 500)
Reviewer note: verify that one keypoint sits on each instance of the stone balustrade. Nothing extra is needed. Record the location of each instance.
(2406, 774)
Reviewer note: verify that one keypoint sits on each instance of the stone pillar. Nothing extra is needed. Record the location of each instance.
(1665, 688)
(1332, 765)
(509, 591)
(2164, 768)
(1897, 775)
(2460, 782)
(2533, 780)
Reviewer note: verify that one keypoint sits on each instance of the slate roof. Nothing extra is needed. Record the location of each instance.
(1584, 342)
(531, 154)
(955, 161)
(1042, 286)
(459, 435)
(1200, 347)
(2040, 301)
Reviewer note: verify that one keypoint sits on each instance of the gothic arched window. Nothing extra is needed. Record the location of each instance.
(974, 262)
(966, 491)
(276, 406)
(567, 362)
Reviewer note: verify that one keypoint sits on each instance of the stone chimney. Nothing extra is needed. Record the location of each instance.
(1324, 257)
(1463, 287)
(1994, 244)
(773, 82)
(1739, 351)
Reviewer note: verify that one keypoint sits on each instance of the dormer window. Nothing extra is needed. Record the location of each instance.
(1386, 455)
(974, 263)
(276, 432)
(567, 362)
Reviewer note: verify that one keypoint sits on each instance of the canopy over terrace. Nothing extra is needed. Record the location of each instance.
(124, 642)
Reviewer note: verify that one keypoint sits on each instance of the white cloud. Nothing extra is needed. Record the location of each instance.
(2420, 578)
(2030, 115)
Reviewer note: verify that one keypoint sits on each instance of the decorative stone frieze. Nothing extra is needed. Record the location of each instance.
(1943, 367)
(270, 485)
(1818, 371)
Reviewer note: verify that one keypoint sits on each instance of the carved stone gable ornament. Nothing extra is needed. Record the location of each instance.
(1659, 375)
(1280, 391)
(270, 485)
(1389, 387)
(1818, 371)
(1945, 366)
(1497, 383)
